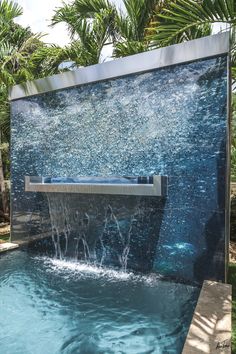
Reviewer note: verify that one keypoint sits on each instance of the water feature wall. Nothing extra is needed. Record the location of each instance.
(165, 115)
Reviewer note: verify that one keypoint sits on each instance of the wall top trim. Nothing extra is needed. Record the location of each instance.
(197, 49)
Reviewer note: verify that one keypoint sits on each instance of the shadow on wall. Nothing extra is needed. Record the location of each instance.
(213, 258)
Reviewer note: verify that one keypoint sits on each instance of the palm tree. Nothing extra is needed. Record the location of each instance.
(132, 26)
(17, 44)
(8, 12)
(180, 20)
(91, 25)
(46, 60)
(95, 23)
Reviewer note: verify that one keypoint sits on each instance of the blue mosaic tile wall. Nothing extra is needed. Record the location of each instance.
(171, 121)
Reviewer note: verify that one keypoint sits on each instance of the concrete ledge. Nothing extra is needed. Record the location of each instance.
(7, 246)
(210, 330)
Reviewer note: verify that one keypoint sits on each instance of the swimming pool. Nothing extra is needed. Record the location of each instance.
(53, 306)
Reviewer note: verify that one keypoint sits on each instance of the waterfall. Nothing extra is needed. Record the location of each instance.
(91, 232)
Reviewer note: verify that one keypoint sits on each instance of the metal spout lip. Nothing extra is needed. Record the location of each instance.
(132, 185)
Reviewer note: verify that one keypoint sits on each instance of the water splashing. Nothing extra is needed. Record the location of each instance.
(105, 231)
(96, 237)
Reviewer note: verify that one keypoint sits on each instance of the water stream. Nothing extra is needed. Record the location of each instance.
(82, 235)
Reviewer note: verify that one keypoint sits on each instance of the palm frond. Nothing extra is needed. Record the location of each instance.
(17, 34)
(139, 14)
(4, 115)
(132, 26)
(24, 74)
(182, 17)
(6, 49)
(125, 28)
(89, 8)
(9, 10)
(30, 44)
(123, 49)
(6, 78)
(90, 22)
(81, 56)
(66, 14)
(45, 60)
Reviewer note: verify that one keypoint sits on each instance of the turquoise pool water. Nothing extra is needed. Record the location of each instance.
(50, 306)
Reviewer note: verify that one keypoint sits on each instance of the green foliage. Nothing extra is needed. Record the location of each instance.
(90, 8)
(123, 49)
(133, 25)
(233, 55)
(6, 159)
(18, 63)
(5, 238)
(9, 10)
(45, 60)
(233, 140)
(95, 23)
(181, 18)
(90, 24)
(16, 46)
(82, 55)
(4, 115)
(232, 280)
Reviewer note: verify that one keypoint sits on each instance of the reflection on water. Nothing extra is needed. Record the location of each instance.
(51, 306)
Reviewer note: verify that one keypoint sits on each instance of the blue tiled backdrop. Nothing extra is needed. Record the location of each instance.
(171, 121)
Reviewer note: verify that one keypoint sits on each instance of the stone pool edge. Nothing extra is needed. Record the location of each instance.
(8, 246)
(210, 329)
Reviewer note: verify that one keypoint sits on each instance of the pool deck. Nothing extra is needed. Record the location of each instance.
(8, 246)
(210, 329)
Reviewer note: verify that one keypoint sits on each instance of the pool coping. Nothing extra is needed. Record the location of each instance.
(210, 329)
(8, 246)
